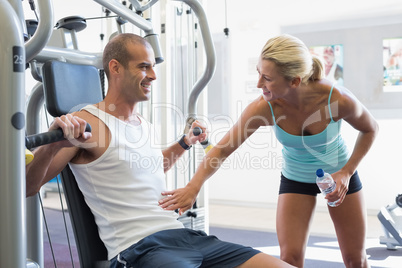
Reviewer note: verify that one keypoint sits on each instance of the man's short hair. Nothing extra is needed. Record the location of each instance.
(117, 49)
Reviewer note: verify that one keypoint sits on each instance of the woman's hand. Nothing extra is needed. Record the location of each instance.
(181, 199)
(342, 186)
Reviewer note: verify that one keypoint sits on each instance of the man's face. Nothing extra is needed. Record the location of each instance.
(139, 74)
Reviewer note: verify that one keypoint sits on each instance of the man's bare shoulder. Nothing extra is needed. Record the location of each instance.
(97, 144)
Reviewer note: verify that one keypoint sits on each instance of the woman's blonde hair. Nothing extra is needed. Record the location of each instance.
(293, 58)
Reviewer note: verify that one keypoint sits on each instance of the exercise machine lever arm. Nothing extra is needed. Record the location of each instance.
(210, 61)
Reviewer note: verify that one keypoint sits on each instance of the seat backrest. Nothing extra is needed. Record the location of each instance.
(91, 250)
(68, 87)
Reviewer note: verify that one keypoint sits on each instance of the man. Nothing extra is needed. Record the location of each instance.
(122, 194)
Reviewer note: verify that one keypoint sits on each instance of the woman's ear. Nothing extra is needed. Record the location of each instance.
(295, 82)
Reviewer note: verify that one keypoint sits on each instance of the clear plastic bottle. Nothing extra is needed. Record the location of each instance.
(326, 184)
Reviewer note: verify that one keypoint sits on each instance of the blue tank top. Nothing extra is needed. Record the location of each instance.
(303, 155)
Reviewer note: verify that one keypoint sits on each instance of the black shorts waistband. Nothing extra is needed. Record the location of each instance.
(291, 186)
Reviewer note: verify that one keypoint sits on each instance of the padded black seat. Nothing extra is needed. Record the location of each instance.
(91, 250)
(67, 88)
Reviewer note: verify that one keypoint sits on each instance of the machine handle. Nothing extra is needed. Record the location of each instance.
(40, 139)
(205, 144)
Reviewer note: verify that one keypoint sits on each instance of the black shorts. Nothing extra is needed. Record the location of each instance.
(295, 187)
(183, 248)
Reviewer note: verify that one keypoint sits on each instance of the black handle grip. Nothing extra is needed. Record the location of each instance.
(197, 131)
(40, 139)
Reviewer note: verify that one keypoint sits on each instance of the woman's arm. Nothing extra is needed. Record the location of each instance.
(353, 112)
(254, 116)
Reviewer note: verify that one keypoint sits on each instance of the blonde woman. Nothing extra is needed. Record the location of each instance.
(306, 112)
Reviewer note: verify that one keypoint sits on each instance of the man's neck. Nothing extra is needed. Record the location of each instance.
(120, 110)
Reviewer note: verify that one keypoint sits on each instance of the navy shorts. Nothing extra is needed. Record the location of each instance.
(182, 248)
(290, 186)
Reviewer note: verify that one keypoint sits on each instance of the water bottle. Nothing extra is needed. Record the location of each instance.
(326, 184)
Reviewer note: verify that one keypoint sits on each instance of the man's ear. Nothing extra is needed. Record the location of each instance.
(114, 67)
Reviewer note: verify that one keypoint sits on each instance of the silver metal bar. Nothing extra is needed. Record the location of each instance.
(70, 55)
(17, 6)
(137, 6)
(34, 242)
(12, 146)
(138, 21)
(43, 32)
(34, 215)
(126, 13)
(210, 60)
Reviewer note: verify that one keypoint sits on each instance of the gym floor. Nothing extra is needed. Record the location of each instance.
(263, 219)
(245, 225)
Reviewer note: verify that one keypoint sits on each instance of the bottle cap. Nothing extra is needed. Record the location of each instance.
(319, 172)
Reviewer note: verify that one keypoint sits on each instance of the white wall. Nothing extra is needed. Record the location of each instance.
(360, 25)
(362, 42)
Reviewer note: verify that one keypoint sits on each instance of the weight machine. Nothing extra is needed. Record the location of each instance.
(391, 219)
(21, 243)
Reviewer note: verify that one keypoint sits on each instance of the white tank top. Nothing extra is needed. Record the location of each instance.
(122, 187)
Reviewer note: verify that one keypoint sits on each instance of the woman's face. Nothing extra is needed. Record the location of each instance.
(272, 83)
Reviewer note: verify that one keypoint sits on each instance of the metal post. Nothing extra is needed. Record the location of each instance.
(12, 147)
(34, 215)
(210, 64)
(34, 237)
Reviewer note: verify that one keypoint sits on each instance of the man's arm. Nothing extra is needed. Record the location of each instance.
(174, 152)
(49, 160)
